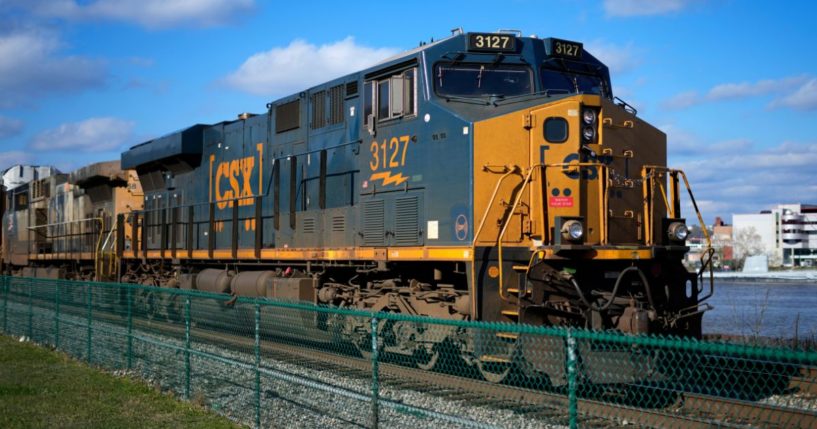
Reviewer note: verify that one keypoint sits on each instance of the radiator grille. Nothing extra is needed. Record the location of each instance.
(351, 89)
(336, 105)
(406, 221)
(318, 102)
(287, 116)
(374, 215)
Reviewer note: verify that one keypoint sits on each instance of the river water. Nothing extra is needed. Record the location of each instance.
(763, 308)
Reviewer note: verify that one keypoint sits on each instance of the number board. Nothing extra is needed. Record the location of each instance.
(490, 42)
(565, 48)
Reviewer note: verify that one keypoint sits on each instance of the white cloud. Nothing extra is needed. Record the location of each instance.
(683, 100)
(729, 91)
(805, 98)
(10, 127)
(619, 59)
(752, 179)
(13, 157)
(90, 135)
(31, 66)
(147, 13)
(626, 8)
(301, 64)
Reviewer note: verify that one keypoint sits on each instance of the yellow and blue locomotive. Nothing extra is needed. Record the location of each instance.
(485, 176)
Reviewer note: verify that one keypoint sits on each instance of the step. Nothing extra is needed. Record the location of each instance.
(507, 335)
(520, 268)
(495, 358)
(510, 313)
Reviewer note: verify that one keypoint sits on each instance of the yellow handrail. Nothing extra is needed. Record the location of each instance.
(525, 182)
(508, 171)
(99, 238)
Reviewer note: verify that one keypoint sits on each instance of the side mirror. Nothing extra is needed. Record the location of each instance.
(370, 124)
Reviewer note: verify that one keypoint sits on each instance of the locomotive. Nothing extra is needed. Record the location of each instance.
(484, 176)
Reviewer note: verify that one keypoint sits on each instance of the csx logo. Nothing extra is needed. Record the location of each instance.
(232, 180)
(588, 173)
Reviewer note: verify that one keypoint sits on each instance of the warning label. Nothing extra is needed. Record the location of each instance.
(560, 202)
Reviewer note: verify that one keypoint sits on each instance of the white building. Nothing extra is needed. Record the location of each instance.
(787, 234)
(21, 174)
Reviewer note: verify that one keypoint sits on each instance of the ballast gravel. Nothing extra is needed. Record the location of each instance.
(292, 396)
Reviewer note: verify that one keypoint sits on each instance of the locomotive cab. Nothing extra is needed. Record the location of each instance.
(578, 214)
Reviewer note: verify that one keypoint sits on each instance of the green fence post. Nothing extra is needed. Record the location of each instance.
(130, 327)
(57, 315)
(257, 365)
(90, 314)
(572, 369)
(30, 310)
(375, 378)
(187, 347)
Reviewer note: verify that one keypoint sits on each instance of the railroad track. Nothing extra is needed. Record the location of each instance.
(688, 410)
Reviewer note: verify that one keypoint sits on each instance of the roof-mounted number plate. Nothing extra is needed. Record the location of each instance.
(565, 49)
(490, 42)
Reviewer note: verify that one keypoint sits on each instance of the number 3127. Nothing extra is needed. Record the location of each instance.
(391, 153)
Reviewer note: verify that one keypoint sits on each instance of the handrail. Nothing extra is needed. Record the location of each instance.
(508, 171)
(525, 182)
(99, 237)
(709, 252)
(505, 227)
(647, 176)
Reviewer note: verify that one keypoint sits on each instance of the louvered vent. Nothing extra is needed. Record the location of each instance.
(336, 104)
(374, 215)
(351, 89)
(288, 116)
(338, 223)
(406, 221)
(309, 225)
(318, 102)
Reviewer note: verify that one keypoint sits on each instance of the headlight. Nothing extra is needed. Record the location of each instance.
(678, 231)
(588, 133)
(572, 230)
(589, 116)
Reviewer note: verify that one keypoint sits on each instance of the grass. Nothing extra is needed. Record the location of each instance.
(41, 388)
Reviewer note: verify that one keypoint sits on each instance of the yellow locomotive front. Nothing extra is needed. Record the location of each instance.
(579, 218)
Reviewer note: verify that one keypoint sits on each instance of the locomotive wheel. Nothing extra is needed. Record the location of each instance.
(494, 372)
(426, 360)
(146, 302)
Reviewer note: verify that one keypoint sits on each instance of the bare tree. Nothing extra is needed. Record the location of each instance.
(746, 242)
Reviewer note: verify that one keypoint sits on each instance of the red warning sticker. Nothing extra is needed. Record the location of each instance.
(561, 202)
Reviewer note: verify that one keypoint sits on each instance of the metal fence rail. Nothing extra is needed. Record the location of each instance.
(273, 363)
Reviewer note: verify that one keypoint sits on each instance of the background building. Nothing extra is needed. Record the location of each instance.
(22, 174)
(787, 234)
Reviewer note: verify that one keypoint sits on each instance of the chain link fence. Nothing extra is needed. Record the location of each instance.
(275, 363)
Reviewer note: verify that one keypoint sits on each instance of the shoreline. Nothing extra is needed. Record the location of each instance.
(804, 276)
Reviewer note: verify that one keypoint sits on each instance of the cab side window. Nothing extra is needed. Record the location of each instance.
(391, 97)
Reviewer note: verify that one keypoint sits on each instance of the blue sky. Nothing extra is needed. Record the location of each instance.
(732, 83)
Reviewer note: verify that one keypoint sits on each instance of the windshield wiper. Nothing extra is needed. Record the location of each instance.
(479, 76)
(546, 93)
(470, 100)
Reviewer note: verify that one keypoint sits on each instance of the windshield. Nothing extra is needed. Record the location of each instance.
(475, 80)
(562, 82)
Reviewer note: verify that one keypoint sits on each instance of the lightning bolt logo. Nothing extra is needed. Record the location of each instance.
(388, 178)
